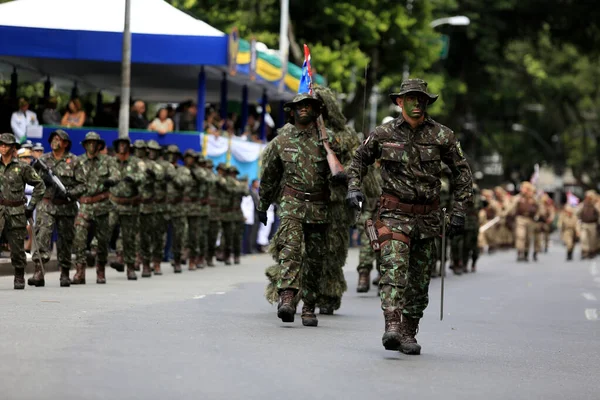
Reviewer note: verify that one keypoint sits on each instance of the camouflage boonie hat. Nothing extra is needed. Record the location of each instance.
(27, 145)
(61, 134)
(222, 166)
(139, 144)
(173, 149)
(93, 136)
(317, 104)
(153, 145)
(200, 157)
(9, 138)
(244, 178)
(209, 163)
(233, 169)
(190, 153)
(413, 86)
(38, 147)
(115, 142)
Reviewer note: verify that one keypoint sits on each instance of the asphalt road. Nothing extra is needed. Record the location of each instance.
(511, 331)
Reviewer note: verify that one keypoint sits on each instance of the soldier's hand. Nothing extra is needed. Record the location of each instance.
(340, 178)
(457, 226)
(108, 183)
(354, 198)
(29, 208)
(262, 217)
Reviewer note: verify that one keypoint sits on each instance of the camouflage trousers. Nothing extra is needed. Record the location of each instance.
(102, 233)
(44, 224)
(405, 275)
(15, 230)
(150, 239)
(203, 236)
(236, 237)
(128, 227)
(193, 237)
(211, 238)
(162, 224)
(464, 247)
(179, 231)
(227, 237)
(298, 271)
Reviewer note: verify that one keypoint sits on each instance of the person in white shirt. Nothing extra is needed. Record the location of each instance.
(248, 211)
(21, 119)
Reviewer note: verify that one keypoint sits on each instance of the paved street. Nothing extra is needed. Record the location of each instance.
(511, 331)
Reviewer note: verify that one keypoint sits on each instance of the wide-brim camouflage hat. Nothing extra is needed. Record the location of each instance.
(300, 97)
(9, 138)
(63, 135)
(93, 136)
(222, 166)
(413, 86)
(233, 170)
(153, 145)
(190, 153)
(209, 163)
(139, 144)
(116, 142)
(173, 149)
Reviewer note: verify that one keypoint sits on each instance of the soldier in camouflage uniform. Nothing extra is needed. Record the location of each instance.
(14, 212)
(295, 167)
(57, 208)
(193, 206)
(445, 202)
(204, 199)
(214, 218)
(99, 173)
(225, 190)
(178, 188)
(411, 149)
(371, 188)
(240, 190)
(149, 208)
(464, 246)
(162, 190)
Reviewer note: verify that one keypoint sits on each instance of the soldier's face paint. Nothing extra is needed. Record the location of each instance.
(91, 148)
(188, 161)
(171, 157)
(56, 143)
(414, 105)
(141, 153)
(123, 148)
(304, 113)
(152, 154)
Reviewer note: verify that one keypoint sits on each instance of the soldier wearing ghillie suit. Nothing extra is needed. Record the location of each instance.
(150, 242)
(14, 211)
(239, 190)
(412, 148)
(588, 213)
(214, 217)
(57, 208)
(567, 224)
(296, 173)
(464, 246)
(99, 173)
(371, 188)
(527, 210)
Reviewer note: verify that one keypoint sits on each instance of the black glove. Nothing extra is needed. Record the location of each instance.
(151, 174)
(128, 179)
(62, 196)
(108, 183)
(457, 226)
(29, 211)
(262, 217)
(340, 178)
(354, 198)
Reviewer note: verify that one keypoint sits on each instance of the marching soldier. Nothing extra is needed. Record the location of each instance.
(193, 208)
(527, 211)
(567, 224)
(411, 149)
(464, 246)
(547, 215)
(225, 188)
(14, 212)
(588, 213)
(57, 208)
(214, 219)
(240, 190)
(503, 230)
(159, 190)
(166, 192)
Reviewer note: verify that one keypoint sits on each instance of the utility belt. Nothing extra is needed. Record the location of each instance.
(379, 234)
(305, 196)
(392, 203)
(205, 201)
(126, 201)
(160, 201)
(148, 201)
(12, 203)
(176, 200)
(97, 198)
(57, 202)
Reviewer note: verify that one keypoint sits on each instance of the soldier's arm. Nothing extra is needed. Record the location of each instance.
(138, 172)
(33, 179)
(365, 155)
(79, 188)
(462, 180)
(159, 171)
(271, 176)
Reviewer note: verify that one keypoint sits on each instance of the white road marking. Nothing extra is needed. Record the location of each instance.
(219, 292)
(589, 296)
(594, 269)
(591, 314)
(199, 297)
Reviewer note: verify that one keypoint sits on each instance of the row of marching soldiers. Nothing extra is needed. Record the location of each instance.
(142, 189)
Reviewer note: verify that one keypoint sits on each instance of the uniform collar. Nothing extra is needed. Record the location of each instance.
(400, 120)
(305, 132)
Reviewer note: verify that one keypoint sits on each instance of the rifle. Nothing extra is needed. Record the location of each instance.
(47, 170)
(334, 164)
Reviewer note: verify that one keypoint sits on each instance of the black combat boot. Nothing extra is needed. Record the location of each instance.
(209, 261)
(79, 277)
(308, 315)
(474, 265)
(227, 257)
(236, 260)
(100, 274)
(119, 264)
(391, 338)
(526, 256)
(285, 308)
(131, 276)
(364, 276)
(409, 329)
(91, 256)
(19, 282)
(64, 277)
(201, 262)
(570, 255)
(146, 271)
(177, 266)
(37, 279)
(535, 256)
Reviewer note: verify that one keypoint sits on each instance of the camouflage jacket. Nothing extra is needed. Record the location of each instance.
(162, 187)
(297, 159)
(93, 172)
(224, 191)
(411, 171)
(472, 213)
(153, 190)
(63, 169)
(192, 199)
(241, 190)
(134, 168)
(202, 176)
(13, 178)
(213, 196)
(177, 189)
(371, 188)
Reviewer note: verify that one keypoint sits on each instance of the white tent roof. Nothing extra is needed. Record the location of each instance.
(103, 16)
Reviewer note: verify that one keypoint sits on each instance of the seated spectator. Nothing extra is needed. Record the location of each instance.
(50, 115)
(187, 118)
(137, 117)
(21, 119)
(210, 123)
(162, 123)
(74, 116)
